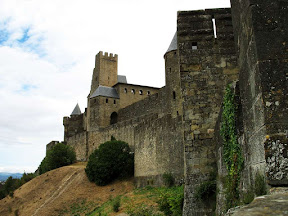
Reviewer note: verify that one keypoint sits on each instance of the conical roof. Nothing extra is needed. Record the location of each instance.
(173, 44)
(76, 110)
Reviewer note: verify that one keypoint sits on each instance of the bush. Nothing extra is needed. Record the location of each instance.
(11, 184)
(171, 202)
(260, 185)
(58, 156)
(112, 160)
(168, 179)
(206, 190)
(116, 204)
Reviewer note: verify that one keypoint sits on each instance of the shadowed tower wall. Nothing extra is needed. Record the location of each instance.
(261, 29)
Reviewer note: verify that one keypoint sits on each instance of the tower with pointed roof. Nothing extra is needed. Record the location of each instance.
(172, 79)
(74, 124)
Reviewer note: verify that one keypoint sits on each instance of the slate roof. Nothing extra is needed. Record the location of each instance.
(105, 91)
(76, 110)
(173, 44)
(121, 79)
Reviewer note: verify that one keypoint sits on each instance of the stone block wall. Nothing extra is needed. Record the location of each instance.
(207, 65)
(158, 150)
(79, 143)
(261, 38)
(73, 125)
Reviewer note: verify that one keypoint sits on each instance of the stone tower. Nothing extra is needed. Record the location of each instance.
(172, 79)
(103, 99)
(105, 71)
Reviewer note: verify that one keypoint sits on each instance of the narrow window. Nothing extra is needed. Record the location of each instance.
(170, 70)
(114, 101)
(177, 113)
(214, 27)
(125, 90)
(140, 92)
(133, 91)
(194, 46)
(174, 95)
(148, 92)
(106, 100)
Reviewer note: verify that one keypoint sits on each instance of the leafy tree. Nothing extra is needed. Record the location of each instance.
(11, 184)
(58, 156)
(113, 159)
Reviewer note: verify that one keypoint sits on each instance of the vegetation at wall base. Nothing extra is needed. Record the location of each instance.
(168, 179)
(148, 201)
(11, 184)
(260, 185)
(112, 160)
(232, 154)
(58, 156)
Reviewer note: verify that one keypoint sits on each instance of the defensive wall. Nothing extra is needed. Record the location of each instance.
(208, 63)
(176, 129)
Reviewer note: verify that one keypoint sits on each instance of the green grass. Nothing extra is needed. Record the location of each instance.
(146, 201)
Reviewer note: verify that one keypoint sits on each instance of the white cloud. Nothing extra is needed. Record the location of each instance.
(43, 77)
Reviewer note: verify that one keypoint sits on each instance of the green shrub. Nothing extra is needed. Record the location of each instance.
(248, 197)
(171, 202)
(260, 185)
(11, 184)
(112, 160)
(116, 204)
(168, 179)
(143, 211)
(58, 156)
(206, 190)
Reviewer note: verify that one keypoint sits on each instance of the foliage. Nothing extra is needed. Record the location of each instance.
(116, 204)
(112, 160)
(58, 156)
(143, 210)
(171, 202)
(206, 190)
(232, 154)
(248, 197)
(168, 179)
(11, 184)
(260, 185)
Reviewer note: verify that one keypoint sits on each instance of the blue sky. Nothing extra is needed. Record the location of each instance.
(47, 52)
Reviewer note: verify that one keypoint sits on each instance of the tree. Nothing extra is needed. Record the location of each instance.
(112, 160)
(58, 156)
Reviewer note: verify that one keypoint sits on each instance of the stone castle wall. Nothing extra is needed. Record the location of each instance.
(207, 65)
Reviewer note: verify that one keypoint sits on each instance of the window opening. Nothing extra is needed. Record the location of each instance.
(174, 95)
(114, 101)
(214, 27)
(106, 100)
(133, 91)
(140, 92)
(125, 90)
(194, 46)
(113, 118)
(148, 92)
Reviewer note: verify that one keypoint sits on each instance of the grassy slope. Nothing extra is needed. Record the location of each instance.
(67, 191)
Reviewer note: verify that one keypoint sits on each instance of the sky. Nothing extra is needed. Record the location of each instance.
(47, 56)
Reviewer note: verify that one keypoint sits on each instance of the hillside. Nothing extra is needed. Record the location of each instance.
(58, 191)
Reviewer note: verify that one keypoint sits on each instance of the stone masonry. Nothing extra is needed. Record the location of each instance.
(175, 129)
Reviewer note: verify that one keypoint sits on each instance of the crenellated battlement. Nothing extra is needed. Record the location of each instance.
(107, 55)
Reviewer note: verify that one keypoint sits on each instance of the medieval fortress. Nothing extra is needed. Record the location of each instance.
(175, 129)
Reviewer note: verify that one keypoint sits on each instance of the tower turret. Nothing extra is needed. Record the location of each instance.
(105, 71)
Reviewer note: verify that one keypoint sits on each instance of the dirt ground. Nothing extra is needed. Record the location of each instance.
(60, 189)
